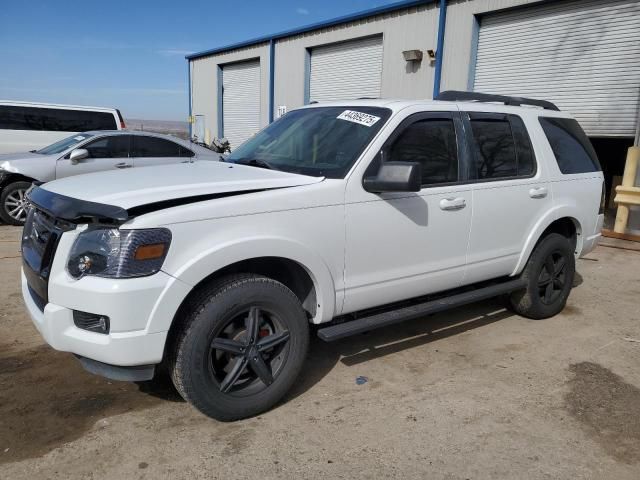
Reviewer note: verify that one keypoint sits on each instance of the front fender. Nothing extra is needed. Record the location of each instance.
(209, 261)
(560, 211)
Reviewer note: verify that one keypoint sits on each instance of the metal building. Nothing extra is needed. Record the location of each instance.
(582, 55)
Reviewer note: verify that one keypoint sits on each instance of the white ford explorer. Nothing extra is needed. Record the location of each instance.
(216, 269)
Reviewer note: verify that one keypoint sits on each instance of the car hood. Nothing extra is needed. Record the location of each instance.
(32, 165)
(11, 162)
(154, 185)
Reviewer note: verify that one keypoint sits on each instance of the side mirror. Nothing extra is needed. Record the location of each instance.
(78, 154)
(395, 177)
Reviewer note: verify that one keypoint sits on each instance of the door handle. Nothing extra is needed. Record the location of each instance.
(453, 203)
(539, 192)
(123, 165)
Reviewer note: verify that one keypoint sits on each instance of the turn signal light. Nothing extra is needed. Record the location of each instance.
(150, 252)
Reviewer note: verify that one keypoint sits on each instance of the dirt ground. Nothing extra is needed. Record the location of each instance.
(475, 393)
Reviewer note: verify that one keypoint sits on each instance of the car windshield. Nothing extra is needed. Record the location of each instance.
(64, 144)
(319, 141)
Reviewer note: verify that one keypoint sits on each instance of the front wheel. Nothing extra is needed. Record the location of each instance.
(242, 344)
(14, 204)
(549, 275)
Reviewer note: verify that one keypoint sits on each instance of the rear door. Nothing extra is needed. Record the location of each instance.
(105, 153)
(149, 150)
(510, 193)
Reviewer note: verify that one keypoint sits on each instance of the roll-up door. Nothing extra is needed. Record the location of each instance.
(240, 101)
(346, 70)
(582, 55)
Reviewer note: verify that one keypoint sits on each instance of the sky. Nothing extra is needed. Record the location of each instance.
(130, 54)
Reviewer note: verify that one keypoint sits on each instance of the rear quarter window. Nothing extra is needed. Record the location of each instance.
(571, 147)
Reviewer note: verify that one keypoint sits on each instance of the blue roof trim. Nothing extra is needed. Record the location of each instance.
(314, 26)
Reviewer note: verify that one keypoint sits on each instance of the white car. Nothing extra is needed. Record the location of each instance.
(87, 152)
(28, 126)
(348, 215)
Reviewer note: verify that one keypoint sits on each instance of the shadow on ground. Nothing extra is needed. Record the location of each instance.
(47, 399)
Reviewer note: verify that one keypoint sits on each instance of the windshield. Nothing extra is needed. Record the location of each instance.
(64, 144)
(322, 141)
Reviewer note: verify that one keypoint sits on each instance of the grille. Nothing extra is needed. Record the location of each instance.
(39, 242)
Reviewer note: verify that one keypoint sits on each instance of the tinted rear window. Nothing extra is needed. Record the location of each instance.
(502, 146)
(571, 147)
(144, 146)
(54, 119)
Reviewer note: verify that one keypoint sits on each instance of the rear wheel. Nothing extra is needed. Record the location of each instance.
(549, 275)
(14, 204)
(241, 347)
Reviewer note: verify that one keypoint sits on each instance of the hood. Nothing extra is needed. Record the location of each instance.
(32, 165)
(18, 156)
(152, 185)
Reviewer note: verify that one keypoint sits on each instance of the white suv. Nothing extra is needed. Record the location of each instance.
(216, 269)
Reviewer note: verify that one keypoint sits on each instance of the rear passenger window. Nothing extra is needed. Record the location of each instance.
(54, 119)
(155, 147)
(502, 146)
(432, 142)
(571, 147)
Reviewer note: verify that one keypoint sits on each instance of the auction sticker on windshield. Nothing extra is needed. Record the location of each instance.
(358, 117)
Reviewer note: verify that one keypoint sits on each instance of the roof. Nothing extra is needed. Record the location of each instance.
(397, 104)
(56, 105)
(314, 26)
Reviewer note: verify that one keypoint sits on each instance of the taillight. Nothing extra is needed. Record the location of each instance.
(603, 199)
(122, 125)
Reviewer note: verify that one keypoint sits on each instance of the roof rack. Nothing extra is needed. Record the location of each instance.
(459, 96)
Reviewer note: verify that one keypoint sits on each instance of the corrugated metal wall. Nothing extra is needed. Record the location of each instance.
(346, 70)
(240, 101)
(460, 37)
(582, 55)
(413, 28)
(204, 83)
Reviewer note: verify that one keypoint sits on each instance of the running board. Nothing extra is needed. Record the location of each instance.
(378, 320)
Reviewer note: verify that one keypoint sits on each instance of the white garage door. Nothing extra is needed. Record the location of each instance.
(240, 101)
(584, 56)
(348, 70)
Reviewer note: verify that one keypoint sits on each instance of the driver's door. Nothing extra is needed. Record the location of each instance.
(403, 245)
(105, 153)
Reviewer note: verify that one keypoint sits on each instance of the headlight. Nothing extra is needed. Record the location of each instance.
(113, 253)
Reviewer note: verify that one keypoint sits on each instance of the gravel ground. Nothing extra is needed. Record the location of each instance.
(469, 394)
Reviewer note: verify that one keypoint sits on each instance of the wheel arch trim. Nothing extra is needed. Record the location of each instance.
(557, 213)
(210, 261)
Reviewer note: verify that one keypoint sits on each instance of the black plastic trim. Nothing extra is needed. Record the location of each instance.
(461, 96)
(73, 209)
(138, 373)
(383, 319)
(76, 211)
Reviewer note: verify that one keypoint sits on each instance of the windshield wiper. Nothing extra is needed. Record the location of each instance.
(254, 162)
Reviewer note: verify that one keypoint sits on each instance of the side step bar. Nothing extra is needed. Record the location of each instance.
(378, 320)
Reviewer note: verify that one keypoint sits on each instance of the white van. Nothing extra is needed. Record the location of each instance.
(26, 126)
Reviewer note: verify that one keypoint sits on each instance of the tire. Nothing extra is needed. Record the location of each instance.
(549, 275)
(215, 363)
(13, 207)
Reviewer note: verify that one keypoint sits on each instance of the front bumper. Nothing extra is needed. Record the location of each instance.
(120, 348)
